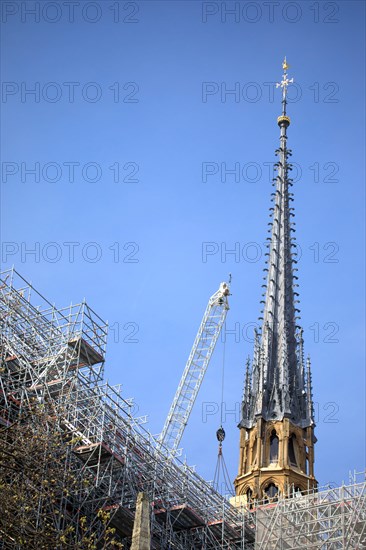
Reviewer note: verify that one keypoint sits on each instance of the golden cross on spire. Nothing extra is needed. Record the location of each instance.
(285, 80)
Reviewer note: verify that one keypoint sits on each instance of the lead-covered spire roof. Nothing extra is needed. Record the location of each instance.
(280, 385)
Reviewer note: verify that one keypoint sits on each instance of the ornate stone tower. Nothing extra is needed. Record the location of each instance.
(277, 425)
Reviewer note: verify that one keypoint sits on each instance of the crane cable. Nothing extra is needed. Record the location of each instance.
(223, 369)
(222, 381)
(220, 434)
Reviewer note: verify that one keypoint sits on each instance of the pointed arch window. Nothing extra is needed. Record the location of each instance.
(271, 491)
(249, 495)
(254, 453)
(273, 447)
(292, 450)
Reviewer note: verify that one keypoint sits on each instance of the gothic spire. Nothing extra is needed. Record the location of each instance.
(278, 387)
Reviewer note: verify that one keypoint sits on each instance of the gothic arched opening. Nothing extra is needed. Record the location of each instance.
(273, 447)
(254, 453)
(249, 495)
(271, 491)
(292, 450)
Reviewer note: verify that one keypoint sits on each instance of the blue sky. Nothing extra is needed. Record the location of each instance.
(145, 89)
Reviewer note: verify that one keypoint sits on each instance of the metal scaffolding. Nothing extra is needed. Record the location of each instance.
(51, 355)
(327, 519)
(55, 357)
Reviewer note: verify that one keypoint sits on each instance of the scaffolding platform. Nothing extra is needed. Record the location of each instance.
(222, 529)
(11, 358)
(13, 363)
(180, 517)
(88, 355)
(93, 454)
(55, 387)
(121, 519)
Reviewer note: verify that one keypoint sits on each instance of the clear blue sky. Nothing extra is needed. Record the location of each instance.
(137, 98)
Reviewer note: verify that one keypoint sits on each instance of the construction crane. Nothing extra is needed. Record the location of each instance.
(195, 369)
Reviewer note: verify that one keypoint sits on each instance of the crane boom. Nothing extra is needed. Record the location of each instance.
(195, 368)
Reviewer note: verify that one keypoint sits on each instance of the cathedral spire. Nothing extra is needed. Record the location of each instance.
(278, 381)
(277, 424)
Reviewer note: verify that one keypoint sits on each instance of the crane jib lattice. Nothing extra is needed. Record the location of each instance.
(195, 369)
